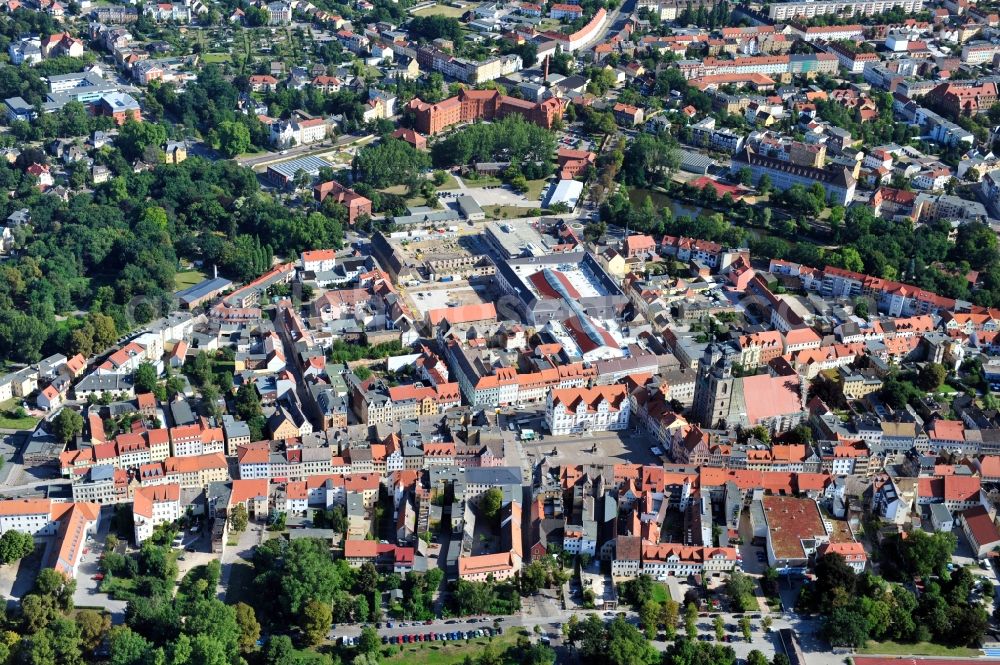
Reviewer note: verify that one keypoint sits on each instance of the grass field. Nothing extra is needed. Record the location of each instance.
(9, 421)
(535, 189)
(399, 190)
(186, 278)
(484, 181)
(918, 649)
(448, 653)
(661, 593)
(443, 10)
(507, 212)
(210, 58)
(450, 183)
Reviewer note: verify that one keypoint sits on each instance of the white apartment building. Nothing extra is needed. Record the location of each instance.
(153, 506)
(780, 11)
(319, 260)
(596, 409)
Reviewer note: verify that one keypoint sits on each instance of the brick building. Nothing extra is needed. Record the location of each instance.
(470, 105)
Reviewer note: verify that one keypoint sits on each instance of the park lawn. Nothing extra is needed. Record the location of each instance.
(918, 649)
(210, 58)
(449, 653)
(443, 10)
(535, 189)
(398, 190)
(661, 593)
(185, 278)
(7, 419)
(507, 212)
(483, 181)
(449, 183)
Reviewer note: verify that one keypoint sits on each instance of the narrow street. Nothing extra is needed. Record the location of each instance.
(291, 363)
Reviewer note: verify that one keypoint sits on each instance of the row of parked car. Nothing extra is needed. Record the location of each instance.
(441, 637)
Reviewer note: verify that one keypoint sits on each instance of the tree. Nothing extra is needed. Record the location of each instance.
(206, 650)
(927, 554)
(740, 589)
(490, 503)
(765, 185)
(37, 649)
(315, 623)
(238, 519)
(246, 619)
(766, 622)
(533, 577)
(248, 408)
(93, 626)
(745, 628)
(833, 574)
(212, 618)
(232, 138)
(388, 163)
(669, 615)
(691, 621)
(296, 572)
(14, 546)
(369, 641)
(931, 376)
(135, 138)
(127, 647)
(144, 378)
(755, 657)
(845, 627)
(649, 618)
(280, 651)
(67, 425)
(594, 231)
(36, 612)
(638, 590)
(627, 646)
(720, 627)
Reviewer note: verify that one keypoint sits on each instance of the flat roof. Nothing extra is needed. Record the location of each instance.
(790, 521)
(515, 237)
(468, 205)
(309, 164)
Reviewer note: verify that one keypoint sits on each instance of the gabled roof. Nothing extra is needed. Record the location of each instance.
(145, 497)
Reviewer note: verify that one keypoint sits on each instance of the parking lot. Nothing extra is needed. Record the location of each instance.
(88, 577)
(632, 445)
(449, 294)
(500, 195)
(18, 579)
(593, 448)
